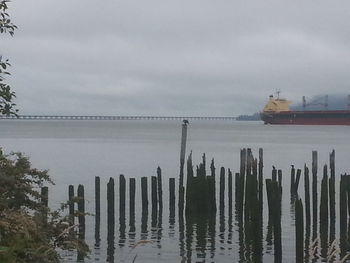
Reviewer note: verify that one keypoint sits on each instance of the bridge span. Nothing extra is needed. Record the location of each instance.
(111, 118)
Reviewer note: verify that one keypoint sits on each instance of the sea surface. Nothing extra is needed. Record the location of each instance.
(75, 152)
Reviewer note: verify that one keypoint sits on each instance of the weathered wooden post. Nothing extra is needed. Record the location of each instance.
(261, 180)
(160, 191)
(299, 231)
(122, 193)
(81, 210)
(182, 163)
(222, 189)
(324, 213)
(97, 199)
(144, 194)
(229, 192)
(97, 211)
(279, 173)
(172, 197)
(154, 199)
(292, 180)
(71, 204)
(314, 192)
(307, 196)
(343, 214)
(110, 206)
(297, 180)
(110, 220)
(332, 196)
(132, 192)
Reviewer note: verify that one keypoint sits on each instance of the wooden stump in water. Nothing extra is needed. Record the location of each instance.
(299, 231)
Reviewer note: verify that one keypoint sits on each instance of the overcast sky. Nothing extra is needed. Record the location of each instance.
(206, 58)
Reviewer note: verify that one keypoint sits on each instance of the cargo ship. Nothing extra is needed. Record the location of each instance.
(277, 111)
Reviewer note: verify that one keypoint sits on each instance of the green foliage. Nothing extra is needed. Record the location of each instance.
(29, 231)
(7, 107)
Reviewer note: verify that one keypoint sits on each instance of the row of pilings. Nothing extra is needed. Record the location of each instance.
(206, 193)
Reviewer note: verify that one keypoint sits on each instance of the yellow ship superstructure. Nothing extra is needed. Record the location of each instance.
(275, 105)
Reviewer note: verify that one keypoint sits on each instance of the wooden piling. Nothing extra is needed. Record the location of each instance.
(324, 213)
(160, 189)
(292, 180)
(307, 196)
(182, 163)
(132, 193)
(71, 204)
(229, 192)
(144, 194)
(343, 214)
(110, 206)
(299, 231)
(172, 197)
(222, 189)
(97, 199)
(279, 174)
(154, 196)
(332, 195)
(122, 196)
(297, 180)
(81, 209)
(261, 180)
(314, 191)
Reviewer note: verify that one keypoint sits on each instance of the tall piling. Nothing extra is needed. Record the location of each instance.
(314, 193)
(332, 196)
(154, 200)
(160, 189)
(71, 204)
(81, 211)
(299, 231)
(97, 211)
(182, 163)
(171, 197)
(222, 190)
(122, 195)
(144, 194)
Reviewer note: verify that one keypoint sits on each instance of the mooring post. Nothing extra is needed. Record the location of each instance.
(122, 190)
(154, 195)
(81, 210)
(172, 197)
(261, 180)
(314, 192)
(97, 200)
(343, 214)
(307, 196)
(182, 163)
(332, 196)
(71, 204)
(299, 231)
(132, 192)
(144, 194)
(160, 191)
(292, 180)
(297, 180)
(222, 189)
(324, 213)
(110, 206)
(229, 192)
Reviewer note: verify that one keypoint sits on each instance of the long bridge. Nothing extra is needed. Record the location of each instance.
(111, 118)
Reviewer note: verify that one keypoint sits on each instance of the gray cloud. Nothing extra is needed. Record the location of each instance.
(175, 57)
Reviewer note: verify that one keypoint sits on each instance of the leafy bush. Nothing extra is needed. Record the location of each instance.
(29, 230)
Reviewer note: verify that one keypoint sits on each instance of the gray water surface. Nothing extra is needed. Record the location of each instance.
(75, 152)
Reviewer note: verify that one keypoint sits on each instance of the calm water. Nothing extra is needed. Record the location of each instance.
(77, 151)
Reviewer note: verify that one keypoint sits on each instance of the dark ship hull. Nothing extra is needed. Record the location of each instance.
(338, 117)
